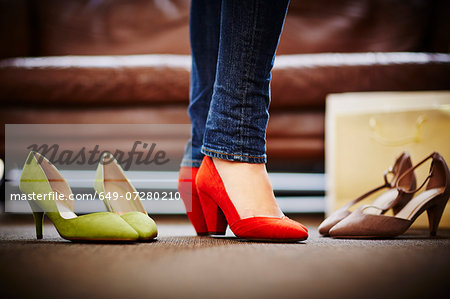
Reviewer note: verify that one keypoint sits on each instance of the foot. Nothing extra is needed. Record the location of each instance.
(249, 188)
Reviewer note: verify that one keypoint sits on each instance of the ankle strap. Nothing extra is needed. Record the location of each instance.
(386, 184)
(431, 156)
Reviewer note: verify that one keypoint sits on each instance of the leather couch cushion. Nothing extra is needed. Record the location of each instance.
(356, 26)
(299, 81)
(116, 27)
(15, 35)
(313, 26)
(119, 27)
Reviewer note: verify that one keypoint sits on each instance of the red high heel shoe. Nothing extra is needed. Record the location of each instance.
(218, 210)
(188, 192)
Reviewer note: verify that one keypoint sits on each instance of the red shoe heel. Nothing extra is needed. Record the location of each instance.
(189, 195)
(214, 198)
(214, 217)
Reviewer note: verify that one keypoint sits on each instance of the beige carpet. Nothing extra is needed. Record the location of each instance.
(180, 265)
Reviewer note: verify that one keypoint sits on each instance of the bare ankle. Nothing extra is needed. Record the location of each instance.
(248, 187)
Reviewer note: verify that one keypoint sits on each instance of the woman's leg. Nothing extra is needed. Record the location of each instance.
(204, 35)
(235, 133)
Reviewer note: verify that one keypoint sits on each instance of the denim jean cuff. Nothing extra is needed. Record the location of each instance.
(190, 163)
(233, 157)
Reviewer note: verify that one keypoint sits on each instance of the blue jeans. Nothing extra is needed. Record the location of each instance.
(233, 45)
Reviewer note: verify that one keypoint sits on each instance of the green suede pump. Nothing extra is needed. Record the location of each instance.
(48, 192)
(119, 196)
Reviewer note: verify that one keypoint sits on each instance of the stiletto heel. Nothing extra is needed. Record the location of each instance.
(214, 217)
(40, 178)
(38, 217)
(216, 202)
(364, 224)
(110, 180)
(435, 214)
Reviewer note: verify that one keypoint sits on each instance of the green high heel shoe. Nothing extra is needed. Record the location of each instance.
(49, 193)
(119, 196)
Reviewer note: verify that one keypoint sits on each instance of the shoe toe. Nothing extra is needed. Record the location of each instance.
(325, 226)
(338, 231)
(142, 224)
(104, 226)
(348, 227)
(331, 221)
(268, 228)
(302, 226)
(362, 225)
(294, 229)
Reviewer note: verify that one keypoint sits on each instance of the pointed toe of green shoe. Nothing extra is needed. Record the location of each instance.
(142, 224)
(103, 226)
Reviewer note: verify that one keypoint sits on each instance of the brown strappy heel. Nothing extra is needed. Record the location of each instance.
(363, 224)
(385, 200)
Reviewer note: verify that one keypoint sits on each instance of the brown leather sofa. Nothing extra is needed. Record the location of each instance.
(326, 47)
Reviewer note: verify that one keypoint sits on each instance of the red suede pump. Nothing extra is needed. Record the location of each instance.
(219, 210)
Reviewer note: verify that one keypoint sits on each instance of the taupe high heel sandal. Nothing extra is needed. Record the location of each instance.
(363, 224)
(385, 200)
